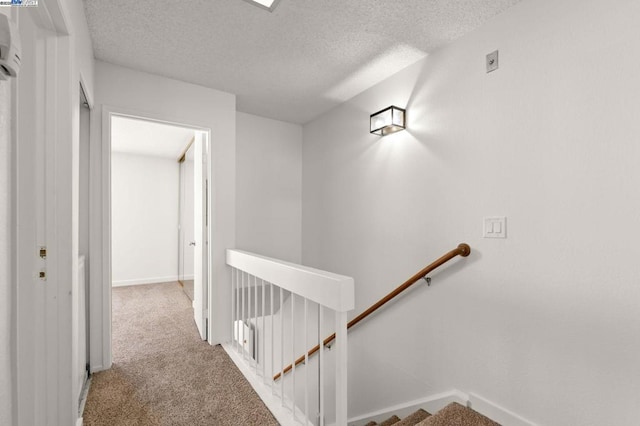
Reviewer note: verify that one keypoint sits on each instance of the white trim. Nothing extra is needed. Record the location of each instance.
(141, 281)
(87, 93)
(496, 413)
(331, 290)
(435, 403)
(151, 117)
(63, 190)
(105, 225)
(432, 404)
(56, 208)
(272, 401)
(51, 15)
(45, 391)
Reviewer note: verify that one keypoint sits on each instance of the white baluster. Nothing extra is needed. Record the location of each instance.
(264, 333)
(272, 339)
(241, 324)
(249, 322)
(306, 360)
(321, 366)
(238, 314)
(233, 303)
(294, 280)
(255, 324)
(293, 357)
(282, 346)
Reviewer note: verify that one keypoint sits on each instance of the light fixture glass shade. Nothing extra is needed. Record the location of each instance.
(387, 121)
(269, 5)
(265, 3)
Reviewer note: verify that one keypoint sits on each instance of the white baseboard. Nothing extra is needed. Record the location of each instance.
(435, 403)
(79, 421)
(432, 404)
(496, 413)
(140, 281)
(96, 368)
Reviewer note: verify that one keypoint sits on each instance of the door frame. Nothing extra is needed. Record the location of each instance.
(46, 396)
(201, 256)
(107, 113)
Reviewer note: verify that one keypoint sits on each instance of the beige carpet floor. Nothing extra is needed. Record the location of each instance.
(162, 373)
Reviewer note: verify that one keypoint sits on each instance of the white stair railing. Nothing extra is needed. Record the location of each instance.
(279, 309)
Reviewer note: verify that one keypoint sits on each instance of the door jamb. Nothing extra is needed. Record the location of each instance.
(52, 21)
(109, 111)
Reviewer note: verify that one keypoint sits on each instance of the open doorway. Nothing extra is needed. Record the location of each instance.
(159, 176)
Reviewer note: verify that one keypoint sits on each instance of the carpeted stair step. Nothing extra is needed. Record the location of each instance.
(455, 414)
(390, 421)
(410, 420)
(413, 419)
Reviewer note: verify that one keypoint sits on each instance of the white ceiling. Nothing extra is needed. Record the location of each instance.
(292, 64)
(142, 137)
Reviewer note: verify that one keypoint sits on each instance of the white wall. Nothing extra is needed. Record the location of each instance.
(144, 219)
(545, 322)
(6, 258)
(45, 169)
(269, 187)
(127, 91)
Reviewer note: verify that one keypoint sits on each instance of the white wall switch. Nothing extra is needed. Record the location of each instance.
(492, 61)
(495, 227)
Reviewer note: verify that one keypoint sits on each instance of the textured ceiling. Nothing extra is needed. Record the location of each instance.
(142, 137)
(292, 64)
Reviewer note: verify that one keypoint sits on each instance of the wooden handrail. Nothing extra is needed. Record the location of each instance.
(462, 250)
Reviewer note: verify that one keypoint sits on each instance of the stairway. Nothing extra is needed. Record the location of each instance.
(453, 414)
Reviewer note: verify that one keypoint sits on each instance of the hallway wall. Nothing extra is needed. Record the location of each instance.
(6, 258)
(269, 187)
(144, 217)
(147, 95)
(545, 322)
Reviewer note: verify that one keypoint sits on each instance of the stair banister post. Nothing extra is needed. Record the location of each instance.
(341, 368)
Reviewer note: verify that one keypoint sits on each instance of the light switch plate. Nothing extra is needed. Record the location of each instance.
(492, 61)
(494, 227)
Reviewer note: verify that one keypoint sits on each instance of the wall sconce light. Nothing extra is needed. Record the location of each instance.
(387, 121)
(269, 5)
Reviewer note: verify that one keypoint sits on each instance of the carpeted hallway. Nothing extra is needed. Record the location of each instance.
(162, 373)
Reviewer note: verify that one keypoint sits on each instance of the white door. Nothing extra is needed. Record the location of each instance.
(200, 273)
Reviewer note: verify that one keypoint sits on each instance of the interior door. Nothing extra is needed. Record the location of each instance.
(186, 241)
(200, 273)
